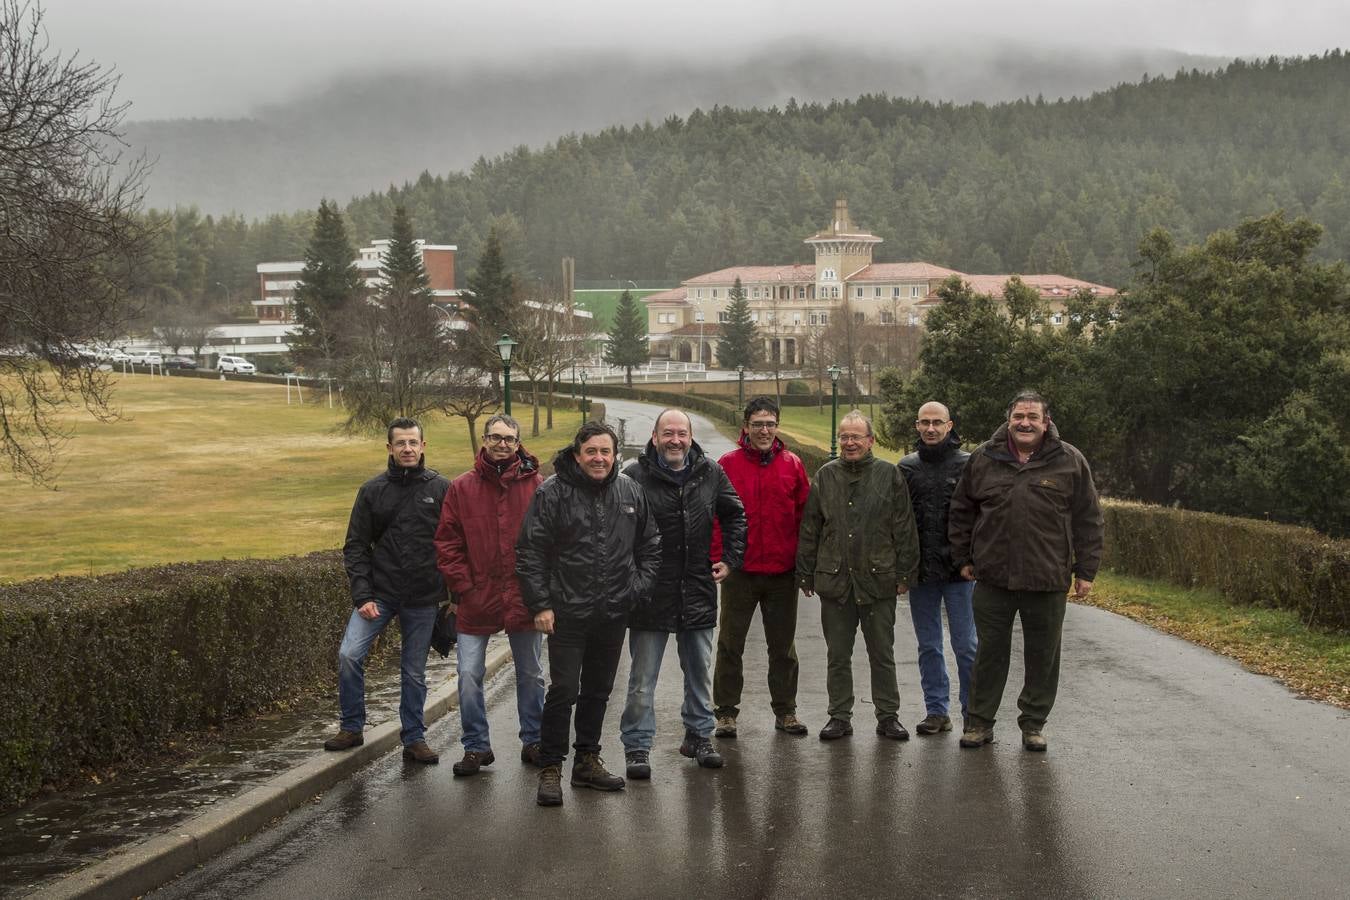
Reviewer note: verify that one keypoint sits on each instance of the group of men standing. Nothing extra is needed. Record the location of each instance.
(592, 556)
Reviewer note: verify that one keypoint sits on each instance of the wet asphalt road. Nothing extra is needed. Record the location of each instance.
(1171, 773)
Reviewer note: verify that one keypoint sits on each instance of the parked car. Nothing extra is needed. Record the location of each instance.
(236, 364)
(145, 357)
(118, 356)
(179, 362)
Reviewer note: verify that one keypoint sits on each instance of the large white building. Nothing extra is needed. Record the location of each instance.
(789, 302)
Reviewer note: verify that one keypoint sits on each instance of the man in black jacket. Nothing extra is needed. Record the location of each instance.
(587, 551)
(932, 472)
(686, 491)
(391, 567)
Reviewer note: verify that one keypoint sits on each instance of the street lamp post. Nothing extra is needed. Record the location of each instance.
(834, 411)
(504, 347)
(740, 388)
(699, 315)
(583, 397)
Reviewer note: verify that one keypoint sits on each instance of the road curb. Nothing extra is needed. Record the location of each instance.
(154, 862)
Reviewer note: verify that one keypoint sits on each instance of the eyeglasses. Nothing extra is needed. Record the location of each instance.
(931, 423)
(762, 426)
(509, 440)
(853, 438)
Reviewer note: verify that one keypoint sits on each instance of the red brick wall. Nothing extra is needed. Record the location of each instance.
(440, 266)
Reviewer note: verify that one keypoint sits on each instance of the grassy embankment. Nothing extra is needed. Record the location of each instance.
(201, 469)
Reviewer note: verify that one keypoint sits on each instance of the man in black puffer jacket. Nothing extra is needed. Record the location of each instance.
(391, 566)
(686, 490)
(931, 473)
(587, 552)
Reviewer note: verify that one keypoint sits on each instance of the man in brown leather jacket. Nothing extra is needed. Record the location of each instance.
(1024, 516)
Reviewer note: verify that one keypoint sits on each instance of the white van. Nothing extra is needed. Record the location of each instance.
(236, 364)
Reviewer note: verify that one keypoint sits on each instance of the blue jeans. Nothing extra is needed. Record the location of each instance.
(637, 726)
(416, 623)
(925, 607)
(471, 662)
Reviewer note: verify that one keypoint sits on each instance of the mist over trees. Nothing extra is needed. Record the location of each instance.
(1028, 186)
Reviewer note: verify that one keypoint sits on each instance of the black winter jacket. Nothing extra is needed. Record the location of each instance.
(685, 595)
(931, 474)
(389, 553)
(586, 550)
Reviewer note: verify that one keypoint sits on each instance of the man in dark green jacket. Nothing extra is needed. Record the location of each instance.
(1024, 516)
(859, 550)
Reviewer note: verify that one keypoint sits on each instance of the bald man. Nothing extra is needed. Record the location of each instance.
(932, 472)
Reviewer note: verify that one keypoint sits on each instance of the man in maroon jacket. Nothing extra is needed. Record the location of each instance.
(476, 552)
(772, 484)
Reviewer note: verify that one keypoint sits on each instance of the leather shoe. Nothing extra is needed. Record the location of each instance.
(890, 727)
(977, 735)
(835, 729)
(473, 761)
(1034, 741)
(533, 755)
(788, 723)
(344, 740)
(934, 723)
(418, 751)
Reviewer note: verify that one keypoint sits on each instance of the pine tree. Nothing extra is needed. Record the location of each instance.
(329, 284)
(489, 303)
(740, 339)
(627, 345)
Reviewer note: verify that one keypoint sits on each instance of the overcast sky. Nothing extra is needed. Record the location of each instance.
(184, 58)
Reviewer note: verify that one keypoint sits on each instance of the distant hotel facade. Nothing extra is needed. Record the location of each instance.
(277, 280)
(789, 302)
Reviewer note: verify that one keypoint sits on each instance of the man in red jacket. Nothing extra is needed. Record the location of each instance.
(476, 552)
(772, 484)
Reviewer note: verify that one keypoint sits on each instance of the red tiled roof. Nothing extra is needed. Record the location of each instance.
(1048, 285)
(674, 295)
(755, 275)
(895, 271)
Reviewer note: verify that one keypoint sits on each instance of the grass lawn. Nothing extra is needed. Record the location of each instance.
(603, 304)
(1270, 641)
(806, 424)
(201, 469)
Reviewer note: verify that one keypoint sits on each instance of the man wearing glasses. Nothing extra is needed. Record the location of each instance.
(932, 472)
(476, 552)
(772, 485)
(860, 551)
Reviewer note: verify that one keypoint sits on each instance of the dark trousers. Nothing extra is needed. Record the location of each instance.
(841, 623)
(776, 597)
(582, 660)
(1042, 615)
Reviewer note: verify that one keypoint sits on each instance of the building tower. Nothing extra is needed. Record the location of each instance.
(841, 250)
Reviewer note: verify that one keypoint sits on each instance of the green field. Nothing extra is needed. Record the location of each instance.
(201, 469)
(603, 303)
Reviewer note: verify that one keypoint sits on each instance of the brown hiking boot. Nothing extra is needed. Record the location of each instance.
(588, 770)
(418, 751)
(550, 786)
(933, 723)
(533, 755)
(726, 727)
(789, 724)
(473, 761)
(344, 740)
(976, 734)
(1034, 741)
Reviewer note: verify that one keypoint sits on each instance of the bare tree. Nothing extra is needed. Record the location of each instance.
(69, 237)
(552, 338)
(469, 393)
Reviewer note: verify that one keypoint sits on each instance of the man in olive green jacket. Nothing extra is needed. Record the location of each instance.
(1024, 515)
(858, 549)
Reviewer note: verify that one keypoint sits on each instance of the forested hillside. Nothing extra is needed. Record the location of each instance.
(1026, 186)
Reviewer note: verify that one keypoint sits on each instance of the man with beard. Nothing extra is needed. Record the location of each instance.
(931, 473)
(391, 567)
(476, 551)
(686, 491)
(859, 550)
(1024, 516)
(772, 483)
(587, 551)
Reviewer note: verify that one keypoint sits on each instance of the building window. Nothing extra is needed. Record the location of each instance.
(858, 293)
(665, 318)
(913, 318)
(913, 291)
(722, 316)
(815, 319)
(714, 296)
(796, 318)
(834, 292)
(768, 316)
(827, 274)
(1057, 318)
(858, 318)
(754, 317)
(876, 292)
(895, 291)
(887, 318)
(824, 318)
(699, 293)
(801, 292)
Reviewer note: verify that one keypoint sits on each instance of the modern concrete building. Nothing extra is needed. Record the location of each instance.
(277, 280)
(791, 302)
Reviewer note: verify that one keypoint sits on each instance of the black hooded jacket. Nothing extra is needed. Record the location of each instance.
(932, 474)
(389, 554)
(587, 550)
(685, 595)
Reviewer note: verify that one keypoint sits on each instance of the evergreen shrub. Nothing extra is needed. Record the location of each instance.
(102, 670)
(1249, 561)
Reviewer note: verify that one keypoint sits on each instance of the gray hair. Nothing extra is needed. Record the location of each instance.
(856, 415)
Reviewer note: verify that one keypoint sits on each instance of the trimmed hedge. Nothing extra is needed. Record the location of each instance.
(102, 670)
(1247, 560)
